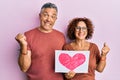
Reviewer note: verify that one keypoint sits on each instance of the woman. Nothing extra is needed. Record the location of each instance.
(79, 31)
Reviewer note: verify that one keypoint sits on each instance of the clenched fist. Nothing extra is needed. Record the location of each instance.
(21, 39)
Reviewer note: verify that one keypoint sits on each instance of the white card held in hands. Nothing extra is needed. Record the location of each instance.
(76, 61)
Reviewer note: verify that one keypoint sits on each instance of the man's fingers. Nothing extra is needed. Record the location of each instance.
(20, 37)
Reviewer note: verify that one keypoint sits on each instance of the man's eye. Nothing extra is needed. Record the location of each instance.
(45, 15)
(53, 17)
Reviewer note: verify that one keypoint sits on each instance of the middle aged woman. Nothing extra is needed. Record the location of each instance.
(79, 31)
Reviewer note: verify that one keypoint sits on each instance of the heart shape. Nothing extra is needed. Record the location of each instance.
(72, 62)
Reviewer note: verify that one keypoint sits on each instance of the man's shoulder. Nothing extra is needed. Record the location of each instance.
(31, 31)
(58, 32)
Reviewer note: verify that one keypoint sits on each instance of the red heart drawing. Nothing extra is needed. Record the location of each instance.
(72, 62)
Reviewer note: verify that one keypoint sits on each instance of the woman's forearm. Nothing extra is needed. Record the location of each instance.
(102, 63)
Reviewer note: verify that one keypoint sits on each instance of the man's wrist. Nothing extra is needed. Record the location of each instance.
(23, 45)
(24, 53)
(24, 50)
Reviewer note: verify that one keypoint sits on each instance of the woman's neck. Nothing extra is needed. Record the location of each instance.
(80, 45)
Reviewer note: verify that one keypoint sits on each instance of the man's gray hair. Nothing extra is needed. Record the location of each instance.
(49, 5)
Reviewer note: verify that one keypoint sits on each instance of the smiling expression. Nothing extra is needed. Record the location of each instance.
(81, 30)
(48, 17)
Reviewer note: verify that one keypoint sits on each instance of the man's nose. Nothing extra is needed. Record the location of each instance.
(48, 18)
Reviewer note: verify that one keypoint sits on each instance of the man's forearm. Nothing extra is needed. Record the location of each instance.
(25, 61)
(23, 49)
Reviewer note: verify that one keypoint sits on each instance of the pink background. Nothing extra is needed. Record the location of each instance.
(21, 15)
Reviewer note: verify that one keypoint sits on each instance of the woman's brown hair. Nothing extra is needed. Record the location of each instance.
(73, 24)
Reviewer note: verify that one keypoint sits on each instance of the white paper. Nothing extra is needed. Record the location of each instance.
(76, 61)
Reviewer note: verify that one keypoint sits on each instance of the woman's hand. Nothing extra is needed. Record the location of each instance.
(105, 49)
(70, 74)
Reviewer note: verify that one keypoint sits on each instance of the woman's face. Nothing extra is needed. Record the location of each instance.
(81, 30)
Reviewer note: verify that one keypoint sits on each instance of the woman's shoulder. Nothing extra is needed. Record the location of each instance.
(67, 46)
(93, 45)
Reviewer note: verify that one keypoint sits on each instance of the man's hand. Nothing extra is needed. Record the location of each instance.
(21, 39)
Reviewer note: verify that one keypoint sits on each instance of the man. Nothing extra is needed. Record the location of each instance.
(38, 46)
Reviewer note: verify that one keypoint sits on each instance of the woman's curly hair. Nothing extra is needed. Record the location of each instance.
(73, 24)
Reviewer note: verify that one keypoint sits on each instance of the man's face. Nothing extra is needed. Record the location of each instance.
(48, 17)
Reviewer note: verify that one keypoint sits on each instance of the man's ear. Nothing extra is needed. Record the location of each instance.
(39, 14)
(56, 18)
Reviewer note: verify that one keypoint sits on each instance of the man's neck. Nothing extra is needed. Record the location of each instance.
(44, 31)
